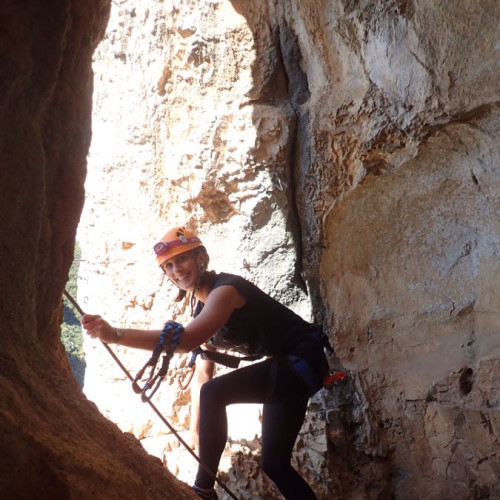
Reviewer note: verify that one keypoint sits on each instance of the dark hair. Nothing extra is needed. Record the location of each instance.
(205, 277)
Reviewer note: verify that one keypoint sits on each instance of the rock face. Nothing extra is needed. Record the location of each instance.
(413, 301)
(343, 155)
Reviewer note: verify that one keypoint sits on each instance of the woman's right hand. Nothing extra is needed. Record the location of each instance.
(98, 328)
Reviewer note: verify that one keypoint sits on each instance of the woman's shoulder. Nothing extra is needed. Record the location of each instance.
(227, 279)
(240, 283)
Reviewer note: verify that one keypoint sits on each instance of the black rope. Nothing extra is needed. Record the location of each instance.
(154, 408)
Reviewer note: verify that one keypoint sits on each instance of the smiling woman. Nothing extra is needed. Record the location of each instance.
(232, 313)
(172, 257)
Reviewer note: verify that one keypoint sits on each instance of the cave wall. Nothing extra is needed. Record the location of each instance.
(343, 155)
(413, 303)
(226, 171)
(355, 145)
(53, 442)
(408, 225)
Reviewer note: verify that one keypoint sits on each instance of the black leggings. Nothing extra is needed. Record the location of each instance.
(273, 383)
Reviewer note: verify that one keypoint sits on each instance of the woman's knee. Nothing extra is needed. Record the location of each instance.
(206, 391)
(211, 393)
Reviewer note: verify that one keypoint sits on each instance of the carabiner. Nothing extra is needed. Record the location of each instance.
(189, 377)
(135, 386)
(156, 379)
(192, 366)
(173, 329)
(145, 397)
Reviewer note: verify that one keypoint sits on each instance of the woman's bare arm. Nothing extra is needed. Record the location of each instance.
(98, 327)
(219, 306)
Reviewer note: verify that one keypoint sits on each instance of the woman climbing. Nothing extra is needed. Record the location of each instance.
(232, 313)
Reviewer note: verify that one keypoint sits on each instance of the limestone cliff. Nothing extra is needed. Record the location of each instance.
(343, 155)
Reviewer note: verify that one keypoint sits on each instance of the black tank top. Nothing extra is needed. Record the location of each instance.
(262, 326)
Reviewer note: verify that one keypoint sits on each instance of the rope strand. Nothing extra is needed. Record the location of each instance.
(154, 408)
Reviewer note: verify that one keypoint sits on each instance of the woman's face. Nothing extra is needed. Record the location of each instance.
(182, 271)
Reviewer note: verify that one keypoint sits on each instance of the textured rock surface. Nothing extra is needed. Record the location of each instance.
(417, 319)
(53, 442)
(344, 155)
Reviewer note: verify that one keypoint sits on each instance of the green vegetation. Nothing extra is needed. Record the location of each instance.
(71, 332)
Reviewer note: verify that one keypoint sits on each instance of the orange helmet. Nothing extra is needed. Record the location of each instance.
(175, 241)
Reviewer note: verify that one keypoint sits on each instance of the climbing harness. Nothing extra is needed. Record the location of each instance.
(332, 378)
(216, 357)
(169, 339)
(172, 328)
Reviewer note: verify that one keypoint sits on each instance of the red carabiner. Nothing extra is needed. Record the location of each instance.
(330, 380)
